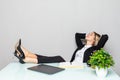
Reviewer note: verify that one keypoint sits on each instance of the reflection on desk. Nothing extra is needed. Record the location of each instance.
(17, 71)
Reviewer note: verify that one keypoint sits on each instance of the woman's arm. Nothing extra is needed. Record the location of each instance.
(79, 43)
(102, 41)
(78, 37)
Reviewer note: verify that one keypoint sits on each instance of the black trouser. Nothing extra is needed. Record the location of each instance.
(52, 59)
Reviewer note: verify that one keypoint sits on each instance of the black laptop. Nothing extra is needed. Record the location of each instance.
(46, 69)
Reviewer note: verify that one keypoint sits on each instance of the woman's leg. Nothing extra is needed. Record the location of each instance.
(28, 53)
(50, 59)
(30, 60)
(28, 56)
(31, 57)
(34, 58)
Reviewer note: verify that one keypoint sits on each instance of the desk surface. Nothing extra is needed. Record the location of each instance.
(17, 71)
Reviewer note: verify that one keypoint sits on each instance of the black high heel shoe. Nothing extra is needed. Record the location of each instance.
(20, 50)
(20, 59)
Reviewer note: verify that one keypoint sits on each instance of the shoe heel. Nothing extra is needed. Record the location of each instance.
(19, 57)
(20, 50)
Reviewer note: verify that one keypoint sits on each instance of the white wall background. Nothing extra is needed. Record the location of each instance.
(48, 26)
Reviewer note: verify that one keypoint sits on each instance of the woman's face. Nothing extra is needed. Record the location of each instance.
(90, 36)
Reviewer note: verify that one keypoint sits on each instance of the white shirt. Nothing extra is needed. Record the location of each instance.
(80, 54)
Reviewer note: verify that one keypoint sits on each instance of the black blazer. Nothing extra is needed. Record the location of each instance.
(89, 51)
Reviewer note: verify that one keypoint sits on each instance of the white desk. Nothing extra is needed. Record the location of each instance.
(17, 71)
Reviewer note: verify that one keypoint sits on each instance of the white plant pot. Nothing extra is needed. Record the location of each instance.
(101, 73)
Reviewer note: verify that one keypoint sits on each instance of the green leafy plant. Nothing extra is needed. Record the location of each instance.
(101, 59)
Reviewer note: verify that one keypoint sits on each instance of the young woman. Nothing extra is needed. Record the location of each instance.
(81, 54)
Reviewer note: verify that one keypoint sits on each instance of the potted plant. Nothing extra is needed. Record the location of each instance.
(101, 61)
